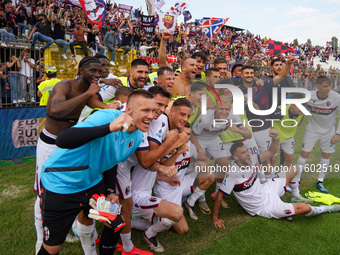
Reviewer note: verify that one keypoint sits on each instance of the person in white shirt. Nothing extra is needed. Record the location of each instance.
(26, 74)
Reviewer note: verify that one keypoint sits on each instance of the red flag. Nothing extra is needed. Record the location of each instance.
(277, 47)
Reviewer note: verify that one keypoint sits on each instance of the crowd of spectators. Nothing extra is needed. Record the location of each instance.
(46, 21)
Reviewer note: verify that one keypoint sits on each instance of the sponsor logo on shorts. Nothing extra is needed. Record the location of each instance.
(288, 212)
(153, 199)
(130, 144)
(46, 233)
(127, 190)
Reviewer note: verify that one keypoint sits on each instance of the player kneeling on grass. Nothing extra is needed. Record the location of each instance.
(71, 176)
(261, 199)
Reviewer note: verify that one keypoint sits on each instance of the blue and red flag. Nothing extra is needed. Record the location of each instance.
(187, 16)
(95, 10)
(277, 47)
(211, 26)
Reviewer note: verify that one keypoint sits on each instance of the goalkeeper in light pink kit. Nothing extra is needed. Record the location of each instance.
(321, 127)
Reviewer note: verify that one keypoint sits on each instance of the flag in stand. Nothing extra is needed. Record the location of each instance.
(277, 47)
(179, 35)
(159, 4)
(187, 16)
(329, 44)
(95, 11)
(150, 6)
(172, 58)
(211, 26)
(178, 8)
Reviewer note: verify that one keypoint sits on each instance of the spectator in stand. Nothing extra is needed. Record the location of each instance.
(59, 35)
(79, 33)
(31, 19)
(3, 30)
(21, 20)
(42, 30)
(110, 43)
(126, 37)
(93, 40)
(26, 75)
(14, 79)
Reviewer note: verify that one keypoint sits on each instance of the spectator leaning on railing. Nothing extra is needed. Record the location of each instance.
(26, 75)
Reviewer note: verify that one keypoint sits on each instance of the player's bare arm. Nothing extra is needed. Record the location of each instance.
(284, 72)
(242, 130)
(217, 204)
(173, 141)
(266, 155)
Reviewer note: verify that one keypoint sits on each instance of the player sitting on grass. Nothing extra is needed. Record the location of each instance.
(261, 199)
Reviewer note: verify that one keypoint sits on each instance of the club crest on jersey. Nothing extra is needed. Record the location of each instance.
(163, 124)
(116, 137)
(127, 190)
(130, 144)
(153, 199)
(288, 211)
(46, 233)
(328, 104)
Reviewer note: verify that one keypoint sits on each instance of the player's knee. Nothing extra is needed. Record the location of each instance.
(304, 154)
(49, 250)
(127, 203)
(177, 213)
(288, 159)
(183, 229)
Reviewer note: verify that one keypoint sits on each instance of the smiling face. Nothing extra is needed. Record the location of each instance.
(200, 65)
(139, 75)
(166, 80)
(222, 111)
(180, 115)
(161, 103)
(222, 68)
(91, 72)
(141, 110)
(276, 67)
(248, 75)
(105, 67)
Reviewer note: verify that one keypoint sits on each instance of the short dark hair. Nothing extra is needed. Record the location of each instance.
(298, 96)
(323, 78)
(123, 91)
(137, 93)
(234, 147)
(181, 102)
(247, 67)
(197, 85)
(139, 62)
(201, 55)
(51, 75)
(164, 69)
(99, 56)
(220, 60)
(210, 70)
(275, 60)
(234, 67)
(88, 60)
(155, 90)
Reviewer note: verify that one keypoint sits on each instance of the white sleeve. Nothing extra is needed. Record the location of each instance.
(106, 93)
(228, 184)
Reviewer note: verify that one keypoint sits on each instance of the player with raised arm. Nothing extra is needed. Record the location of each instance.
(261, 199)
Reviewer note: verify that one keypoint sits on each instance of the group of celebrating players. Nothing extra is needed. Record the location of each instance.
(148, 148)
